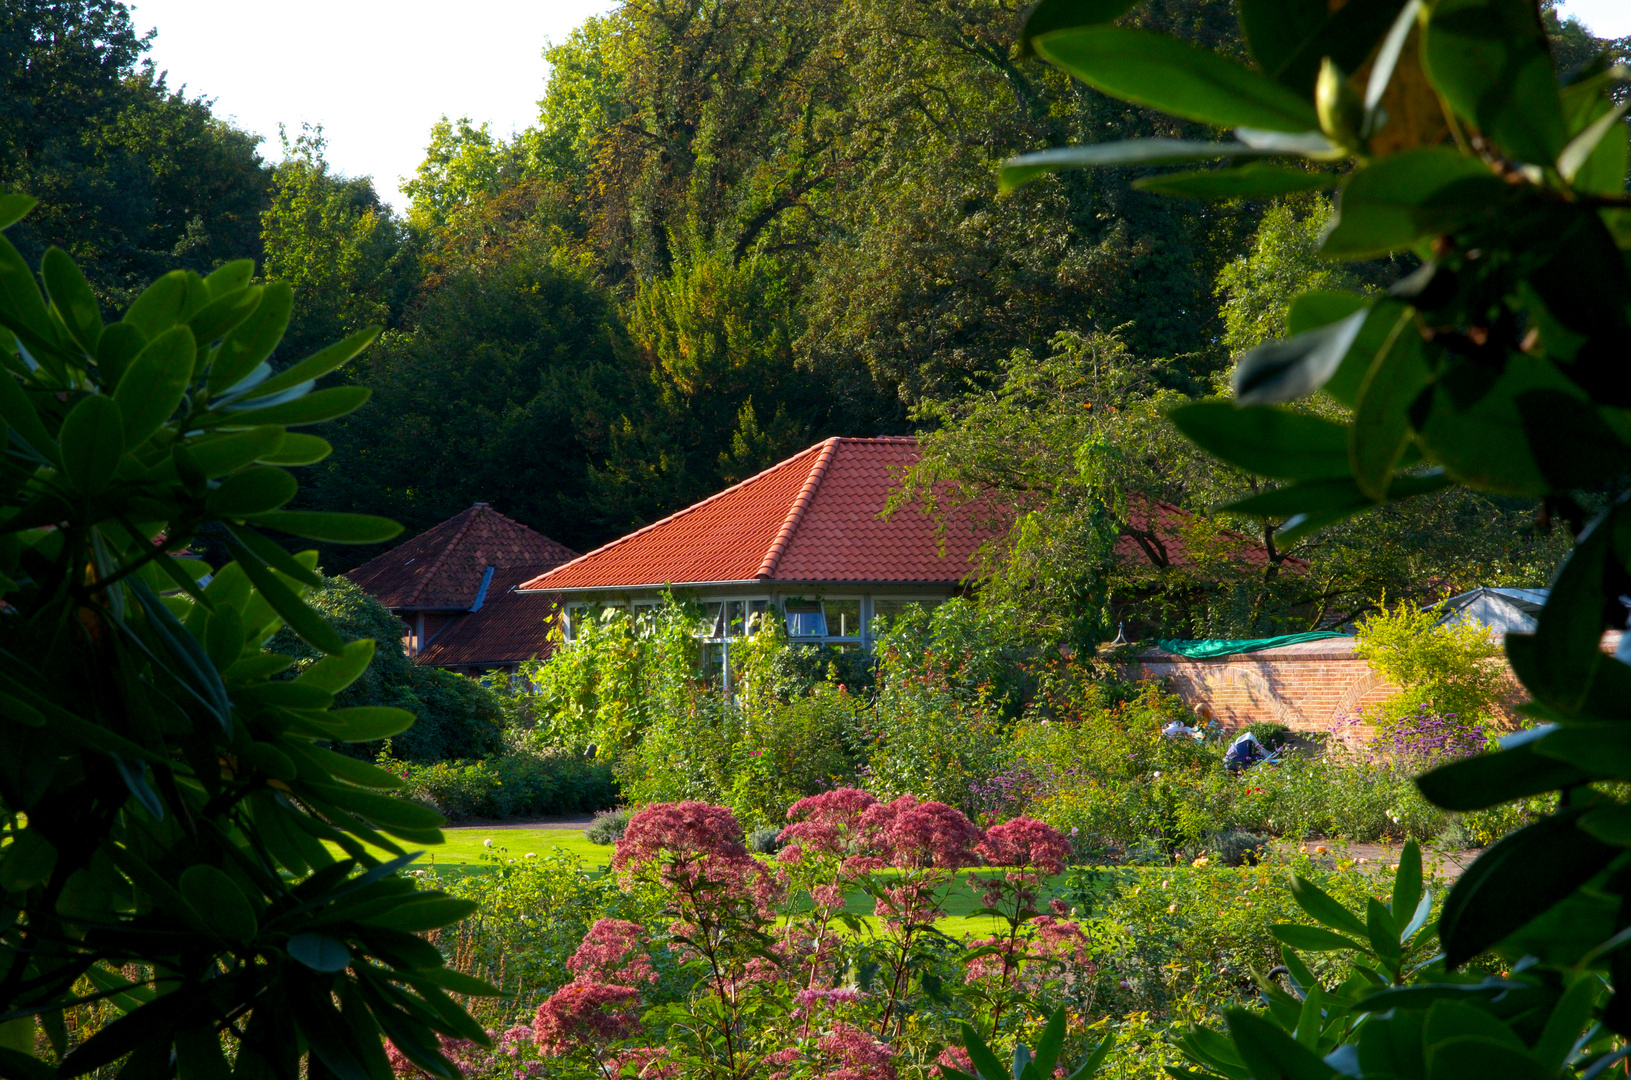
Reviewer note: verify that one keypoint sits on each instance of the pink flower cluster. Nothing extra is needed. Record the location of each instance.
(580, 1013)
(465, 1055)
(613, 952)
(1025, 842)
(913, 834)
(856, 1055)
(828, 823)
(695, 848)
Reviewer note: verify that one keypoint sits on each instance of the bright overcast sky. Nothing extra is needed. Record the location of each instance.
(375, 74)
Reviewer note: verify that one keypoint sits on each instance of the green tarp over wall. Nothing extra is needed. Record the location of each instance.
(1208, 648)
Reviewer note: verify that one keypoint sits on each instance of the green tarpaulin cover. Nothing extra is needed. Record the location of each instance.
(1207, 648)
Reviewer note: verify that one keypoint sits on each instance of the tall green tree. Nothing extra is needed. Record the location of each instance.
(332, 240)
(133, 178)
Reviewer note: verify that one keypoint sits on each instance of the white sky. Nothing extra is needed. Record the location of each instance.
(375, 74)
(378, 73)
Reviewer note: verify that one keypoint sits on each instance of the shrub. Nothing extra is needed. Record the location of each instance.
(764, 841)
(521, 783)
(607, 827)
(458, 717)
(1453, 672)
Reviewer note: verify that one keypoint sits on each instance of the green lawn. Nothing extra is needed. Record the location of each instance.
(465, 845)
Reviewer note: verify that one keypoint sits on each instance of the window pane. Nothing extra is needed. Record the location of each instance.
(756, 615)
(735, 616)
(885, 612)
(804, 619)
(843, 618)
(713, 617)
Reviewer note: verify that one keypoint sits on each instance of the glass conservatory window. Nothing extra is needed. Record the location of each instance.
(805, 619)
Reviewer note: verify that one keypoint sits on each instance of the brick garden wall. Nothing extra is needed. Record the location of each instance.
(1312, 686)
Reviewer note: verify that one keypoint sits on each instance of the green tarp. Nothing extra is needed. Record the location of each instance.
(1208, 648)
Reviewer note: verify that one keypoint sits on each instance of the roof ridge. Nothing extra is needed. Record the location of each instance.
(441, 558)
(795, 512)
(676, 514)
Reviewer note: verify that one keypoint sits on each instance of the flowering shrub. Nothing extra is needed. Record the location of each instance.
(786, 981)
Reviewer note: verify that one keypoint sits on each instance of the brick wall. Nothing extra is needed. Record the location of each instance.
(1312, 686)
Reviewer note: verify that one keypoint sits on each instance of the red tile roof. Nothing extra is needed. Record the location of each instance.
(811, 519)
(510, 627)
(442, 568)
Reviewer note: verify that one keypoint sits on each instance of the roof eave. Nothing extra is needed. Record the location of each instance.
(948, 583)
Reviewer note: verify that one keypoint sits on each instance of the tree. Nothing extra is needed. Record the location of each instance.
(1497, 365)
(502, 392)
(165, 803)
(1080, 441)
(332, 240)
(133, 178)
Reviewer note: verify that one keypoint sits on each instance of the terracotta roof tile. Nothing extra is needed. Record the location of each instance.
(510, 627)
(812, 518)
(442, 568)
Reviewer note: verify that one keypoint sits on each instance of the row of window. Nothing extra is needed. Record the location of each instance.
(834, 619)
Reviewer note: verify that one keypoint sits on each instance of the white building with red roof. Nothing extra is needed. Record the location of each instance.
(805, 541)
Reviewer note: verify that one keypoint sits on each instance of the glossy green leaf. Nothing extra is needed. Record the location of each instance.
(1267, 440)
(1289, 38)
(305, 622)
(381, 810)
(153, 386)
(1572, 1015)
(1407, 886)
(1381, 424)
(1175, 77)
(218, 455)
(161, 306)
(22, 308)
(1049, 15)
(1489, 59)
(71, 295)
(1312, 938)
(1570, 626)
(1478, 783)
(1398, 200)
(985, 1062)
(1473, 1058)
(1604, 748)
(1269, 1052)
(365, 723)
(1295, 367)
(224, 314)
(230, 277)
(1515, 881)
(28, 861)
(93, 441)
(1319, 496)
(331, 528)
(335, 673)
(1584, 145)
(255, 490)
(1021, 170)
(279, 559)
(1254, 180)
(1325, 909)
(217, 898)
(319, 952)
(14, 207)
(417, 916)
(318, 364)
(248, 346)
(351, 770)
(298, 449)
(116, 348)
(314, 408)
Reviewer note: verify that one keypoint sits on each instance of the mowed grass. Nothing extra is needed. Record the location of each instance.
(466, 845)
